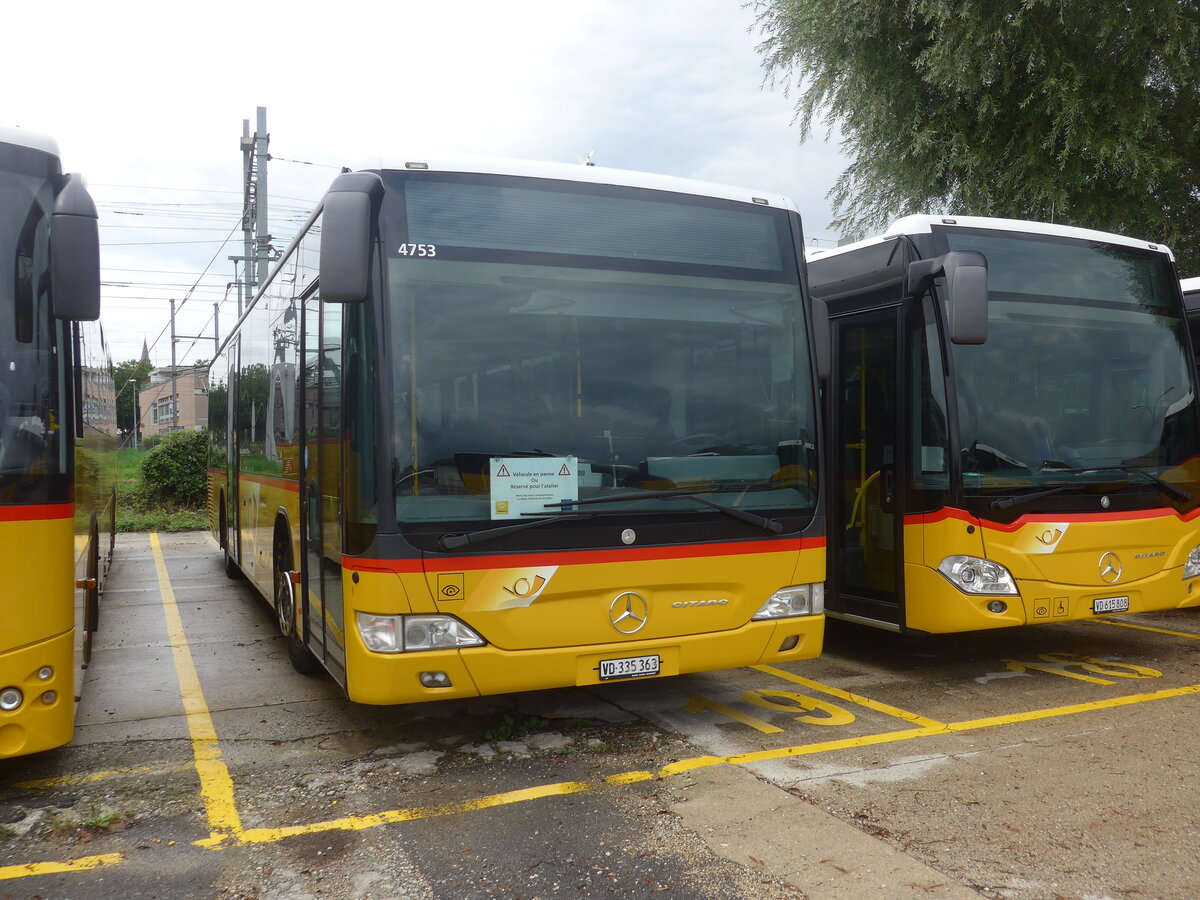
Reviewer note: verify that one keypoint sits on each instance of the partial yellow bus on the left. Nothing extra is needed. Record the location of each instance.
(58, 442)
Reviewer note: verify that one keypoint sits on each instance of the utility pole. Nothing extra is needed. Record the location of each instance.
(174, 387)
(256, 239)
(261, 232)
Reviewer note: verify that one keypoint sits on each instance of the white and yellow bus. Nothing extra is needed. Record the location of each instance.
(57, 442)
(1013, 427)
(501, 426)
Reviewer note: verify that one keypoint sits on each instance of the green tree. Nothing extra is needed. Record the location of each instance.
(1082, 112)
(127, 410)
(176, 470)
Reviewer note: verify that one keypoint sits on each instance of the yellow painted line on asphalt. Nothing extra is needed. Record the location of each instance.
(92, 777)
(1073, 709)
(224, 820)
(83, 864)
(1182, 634)
(358, 823)
(738, 759)
(216, 786)
(851, 697)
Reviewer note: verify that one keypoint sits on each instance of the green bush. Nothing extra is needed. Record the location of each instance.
(177, 469)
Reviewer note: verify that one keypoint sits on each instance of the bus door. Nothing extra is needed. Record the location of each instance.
(320, 494)
(863, 403)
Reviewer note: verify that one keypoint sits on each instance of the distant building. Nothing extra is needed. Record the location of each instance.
(173, 400)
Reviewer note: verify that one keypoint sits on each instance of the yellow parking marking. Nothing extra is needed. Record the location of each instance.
(92, 777)
(358, 823)
(851, 697)
(217, 791)
(216, 787)
(1182, 634)
(738, 759)
(83, 864)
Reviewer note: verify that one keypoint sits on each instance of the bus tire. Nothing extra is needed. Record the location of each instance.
(302, 659)
(232, 570)
(91, 595)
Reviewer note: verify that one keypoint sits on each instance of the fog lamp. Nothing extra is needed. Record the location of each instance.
(435, 680)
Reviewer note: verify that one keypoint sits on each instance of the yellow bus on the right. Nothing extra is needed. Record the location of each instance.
(1013, 426)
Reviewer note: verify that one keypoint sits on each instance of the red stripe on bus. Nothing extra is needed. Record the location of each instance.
(963, 516)
(287, 484)
(37, 513)
(581, 557)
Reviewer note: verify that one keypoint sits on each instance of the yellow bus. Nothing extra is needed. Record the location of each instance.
(57, 442)
(502, 426)
(1013, 426)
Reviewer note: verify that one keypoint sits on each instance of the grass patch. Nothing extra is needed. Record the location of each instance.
(136, 511)
(511, 729)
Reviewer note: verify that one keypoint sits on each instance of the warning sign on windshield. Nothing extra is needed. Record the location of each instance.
(522, 485)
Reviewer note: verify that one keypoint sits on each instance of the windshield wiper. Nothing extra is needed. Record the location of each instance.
(1022, 499)
(451, 541)
(455, 541)
(1165, 486)
(771, 526)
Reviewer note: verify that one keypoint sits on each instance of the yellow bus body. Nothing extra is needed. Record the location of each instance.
(41, 611)
(698, 596)
(1056, 561)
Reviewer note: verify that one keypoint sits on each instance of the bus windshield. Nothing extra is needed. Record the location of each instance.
(28, 388)
(640, 340)
(1085, 371)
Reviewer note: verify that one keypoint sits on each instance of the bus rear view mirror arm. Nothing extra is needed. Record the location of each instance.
(966, 291)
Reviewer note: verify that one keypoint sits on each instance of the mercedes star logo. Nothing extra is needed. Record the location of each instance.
(628, 612)
(1110, 568)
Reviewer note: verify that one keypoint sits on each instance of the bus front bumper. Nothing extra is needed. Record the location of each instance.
(377, 678)
(43, 674)
(934, 605)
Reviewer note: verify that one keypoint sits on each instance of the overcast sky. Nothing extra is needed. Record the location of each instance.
(147, 100)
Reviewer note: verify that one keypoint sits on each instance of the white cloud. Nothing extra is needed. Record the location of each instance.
(150, 108)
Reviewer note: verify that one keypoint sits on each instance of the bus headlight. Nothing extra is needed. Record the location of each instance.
(1191, 568)
(973, 575)
(402, 634)
(438, 633)
(796, 600)
(11, 698)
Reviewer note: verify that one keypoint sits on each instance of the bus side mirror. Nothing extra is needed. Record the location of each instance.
(346, 247)
(822, 338)
(75, 254)
(966, 291)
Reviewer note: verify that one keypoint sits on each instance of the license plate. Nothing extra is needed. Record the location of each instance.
(1111, 605)
(629, 667)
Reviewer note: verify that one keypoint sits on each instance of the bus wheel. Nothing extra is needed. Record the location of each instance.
(301, 657)
(231, 566)
(91, 595)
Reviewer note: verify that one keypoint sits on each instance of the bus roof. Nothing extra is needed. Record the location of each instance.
(23, 137)
(590, 175)
(923, 224)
